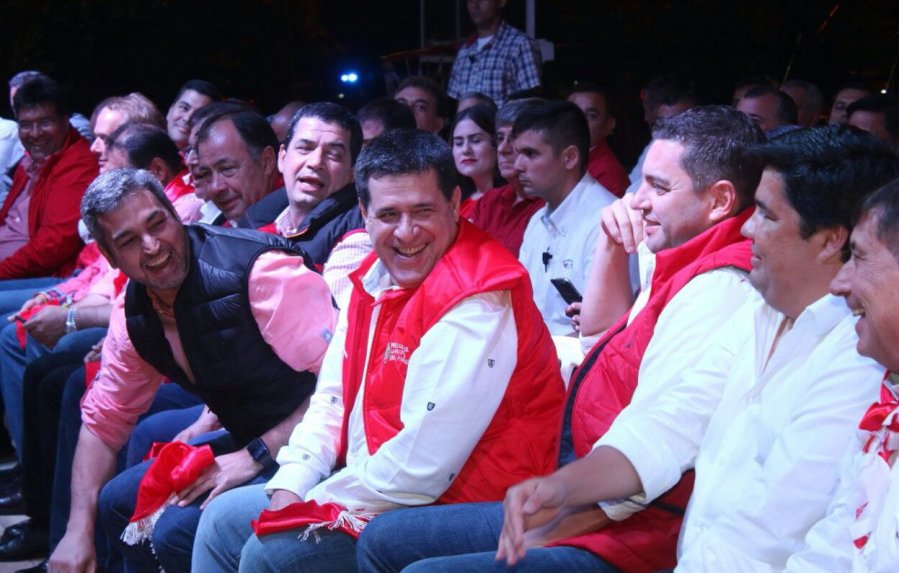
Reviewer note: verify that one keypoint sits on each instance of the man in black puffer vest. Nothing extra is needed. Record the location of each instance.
(211, 309)
(318, 210)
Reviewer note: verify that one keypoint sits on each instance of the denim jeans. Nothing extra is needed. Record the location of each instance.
(457, 537)
(14, 292)
(226, 543)
(173, 535)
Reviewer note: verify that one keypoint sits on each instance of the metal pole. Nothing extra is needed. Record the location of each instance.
(531, 19)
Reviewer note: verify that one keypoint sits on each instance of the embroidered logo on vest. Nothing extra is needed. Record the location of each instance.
(396, 351)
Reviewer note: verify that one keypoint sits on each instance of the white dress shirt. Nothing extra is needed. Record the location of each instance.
(450, 397)
(765, 431)
(565, 238)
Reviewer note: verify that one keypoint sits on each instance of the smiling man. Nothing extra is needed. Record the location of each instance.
(399, 417)
(768, 410)
(39, 218)
(210, 309)
(193, 95)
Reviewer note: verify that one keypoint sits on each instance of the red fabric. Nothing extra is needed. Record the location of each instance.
(302, 513)
(522, 439)
(270, 229)
(178, 187)
(467, 208)
(53, 212)
(119, 282)
(88, 256)
(21, 333)
(605, 168)
(646, 541)
(177, 466)
(504, 214)
(91, 369)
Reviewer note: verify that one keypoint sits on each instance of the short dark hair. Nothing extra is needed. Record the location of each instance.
(143, 142)
(108, 191)
(481, 98)
(391, 113)
(329, 113)
(827, 172)
(887, 104)
(787, 112)
(669, 89)
(25, 76)
(216, 108)
(509, 112)
(404, 152)
(560, 123)
(429, 85)
(203, 87)
(481, 115)
(884, 205)
(593, 88)
(715, 138)
(814, 101)
(255, 132)
(38, 91)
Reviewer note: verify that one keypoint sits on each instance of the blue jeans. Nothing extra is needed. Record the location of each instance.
(14, 292)
(458, 537)
(173, 535)
(165, 424)
(226, 543)
(13, 359)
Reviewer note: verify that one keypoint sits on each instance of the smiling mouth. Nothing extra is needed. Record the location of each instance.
(858, 312)
(158, 262)
(410, 251)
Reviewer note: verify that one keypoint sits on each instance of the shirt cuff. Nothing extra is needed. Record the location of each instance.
(657, 468)
(296, 478)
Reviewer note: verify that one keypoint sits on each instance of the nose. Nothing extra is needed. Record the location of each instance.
(98, 146)
(406, 228)
(640, 199)
(748, 228)
(149, 243)
(315, 158)
(519, 163)
(840, 285)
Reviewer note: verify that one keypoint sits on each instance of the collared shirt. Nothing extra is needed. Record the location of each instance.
(14, 230)
(504, 214)
(126, 384)
(765, 431)
(560, 244)
(11, 151)
(411, 467)
(508, 63)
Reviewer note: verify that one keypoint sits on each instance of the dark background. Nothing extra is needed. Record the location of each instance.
(269, 51)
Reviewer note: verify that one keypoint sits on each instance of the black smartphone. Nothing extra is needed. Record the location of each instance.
(567, 290)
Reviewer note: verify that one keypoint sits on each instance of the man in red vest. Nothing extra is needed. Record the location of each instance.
(694, 198)
(441, 384)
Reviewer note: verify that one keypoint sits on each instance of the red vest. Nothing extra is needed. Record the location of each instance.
(522, 440)
(646, 541)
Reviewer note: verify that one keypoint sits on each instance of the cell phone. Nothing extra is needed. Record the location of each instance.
(568, 291)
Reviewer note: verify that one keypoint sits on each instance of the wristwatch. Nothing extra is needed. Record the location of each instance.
(70, 321)
(260, 452)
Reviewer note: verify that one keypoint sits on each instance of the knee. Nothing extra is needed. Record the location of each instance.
(376, 544)
(254, 557)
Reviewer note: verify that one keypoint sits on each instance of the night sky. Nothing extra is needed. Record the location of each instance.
(270, 51)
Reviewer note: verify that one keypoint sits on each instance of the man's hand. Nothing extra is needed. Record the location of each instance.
(623, 224)
(228, 471)
(282, 498)
(528, 505)
(48, 325)
(95, 351)
(74, 554)
(207, 422)
(39, 298)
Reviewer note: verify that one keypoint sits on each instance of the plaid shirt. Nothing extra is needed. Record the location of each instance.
(508, 63)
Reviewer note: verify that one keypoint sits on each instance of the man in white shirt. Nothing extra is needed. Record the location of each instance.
(553, 142)
(462, 395)
(861, 530)
(766, 414)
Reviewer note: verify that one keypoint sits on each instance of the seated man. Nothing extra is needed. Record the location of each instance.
(773, 110)
(602, 164)
(847, 93)
(193, 95)
(426, 100)
(206, 308)
(878, 115)
(382, 115)
(504, 212)
(859, 532)
(768, 410)
(39, 219)
(420, 425)
(697, 193)
(552, 141)
(112, 113)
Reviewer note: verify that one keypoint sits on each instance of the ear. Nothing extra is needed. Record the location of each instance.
(363, 210)
(571, 158)
(282, 154)
(833, 239)
(455, 202)
(722, 200)
(268, 160)
(159, 169)
(610, 126)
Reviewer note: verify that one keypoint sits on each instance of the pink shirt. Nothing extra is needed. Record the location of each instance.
(279, 286)
(14, 230)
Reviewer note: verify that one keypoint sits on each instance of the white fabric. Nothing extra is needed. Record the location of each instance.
(345, 257)
(765, 434)
(209, 213)
(11, 151)
(865, 479)
(450, 397)
(568, 233)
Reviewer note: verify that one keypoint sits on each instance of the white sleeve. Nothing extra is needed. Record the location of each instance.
(345, 257)
(455, 381)
(311, 451)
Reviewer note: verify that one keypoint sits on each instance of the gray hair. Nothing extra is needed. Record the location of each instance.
(107, 193)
